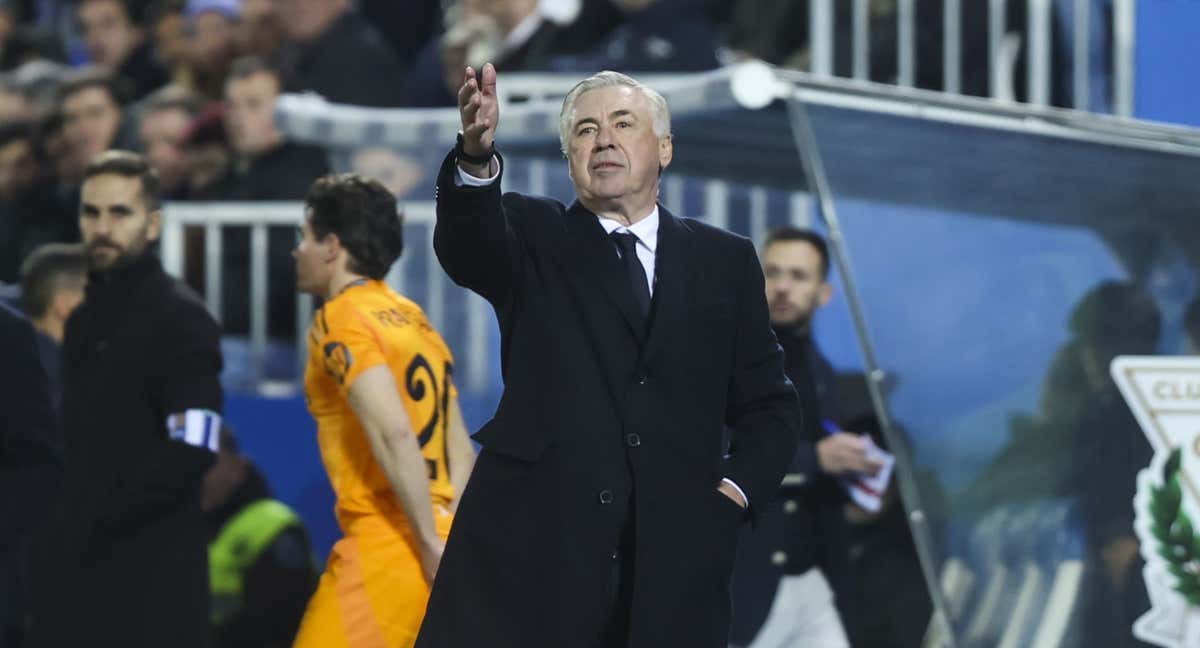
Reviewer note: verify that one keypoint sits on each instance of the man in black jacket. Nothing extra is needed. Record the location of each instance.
(781, 596)
(265, 167)
(334, 52)
(115, 34)
(140, 415)
(30, 466)
(604, 509)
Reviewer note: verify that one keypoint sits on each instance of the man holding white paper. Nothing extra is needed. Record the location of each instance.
(781, 597)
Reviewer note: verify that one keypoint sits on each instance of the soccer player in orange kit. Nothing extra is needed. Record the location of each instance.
(391, 434)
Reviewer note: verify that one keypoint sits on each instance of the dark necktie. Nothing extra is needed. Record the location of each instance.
(627, 244)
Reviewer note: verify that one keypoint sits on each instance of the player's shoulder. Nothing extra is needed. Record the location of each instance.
(377, 307)
(343, 312)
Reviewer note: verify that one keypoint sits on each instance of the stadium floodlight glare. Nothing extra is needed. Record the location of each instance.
(754, 84)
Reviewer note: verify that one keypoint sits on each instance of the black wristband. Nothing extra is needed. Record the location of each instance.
(477, 160)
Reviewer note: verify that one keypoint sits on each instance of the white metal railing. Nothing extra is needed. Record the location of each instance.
(1038, 37)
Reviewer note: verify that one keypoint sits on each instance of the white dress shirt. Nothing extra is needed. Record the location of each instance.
(646, 231)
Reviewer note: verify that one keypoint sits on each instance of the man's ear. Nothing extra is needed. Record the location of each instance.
(666, 151)
(332, 245)
(826, 293)
(154, 228)
(61, 304)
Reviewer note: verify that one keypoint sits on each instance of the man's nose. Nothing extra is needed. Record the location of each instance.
(603, 138)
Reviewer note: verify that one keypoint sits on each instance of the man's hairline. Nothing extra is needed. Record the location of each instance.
(639, 90)
(821, 260)
(141, 189)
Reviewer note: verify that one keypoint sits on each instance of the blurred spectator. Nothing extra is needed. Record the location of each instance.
(14, 105)
(166, 117)
(8, 22)
(53, 279)
(18, 168)
(55, 150)
(261, 561)
(116, 39)
(259, 33)
(655, 36)
(30, 466)
(27, 44)
(1084, 443)
(1113, 319)
(208, 156)
(505, 33)
(336, 53)
(265, 167)
(515, 35)
(28, 211)
(92, 112)
(168, 26)
(406, 24)
(205, 163)
(38, 82)
(212, 42)
(781, 595)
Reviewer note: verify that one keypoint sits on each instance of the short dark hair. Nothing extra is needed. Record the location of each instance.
(93, 77)
(44, 271)
(128, 164)
(363, 215)
(796, 234)
(1117, 315)
(248, 66)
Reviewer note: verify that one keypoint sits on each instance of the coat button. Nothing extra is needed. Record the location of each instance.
(790, 506)
(633, 440)
(778, 558)
(606, 497)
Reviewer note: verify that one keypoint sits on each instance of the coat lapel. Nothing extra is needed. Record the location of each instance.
(671, 281)
(592, 259)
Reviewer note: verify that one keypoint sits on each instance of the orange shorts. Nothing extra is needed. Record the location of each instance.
(373, 592)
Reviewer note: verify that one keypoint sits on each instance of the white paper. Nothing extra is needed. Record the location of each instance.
(865, 490)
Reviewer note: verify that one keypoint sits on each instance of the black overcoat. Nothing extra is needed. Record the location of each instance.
(602, 418)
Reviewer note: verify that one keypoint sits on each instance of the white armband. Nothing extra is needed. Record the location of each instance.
(196, 427)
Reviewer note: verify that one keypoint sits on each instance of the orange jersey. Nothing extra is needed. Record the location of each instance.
(364, 326)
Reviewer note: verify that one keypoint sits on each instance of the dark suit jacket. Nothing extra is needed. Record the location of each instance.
(30, 464)
(601, 421)
(132, 551)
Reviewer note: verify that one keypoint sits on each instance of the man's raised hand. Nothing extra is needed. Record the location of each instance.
(479, 109)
